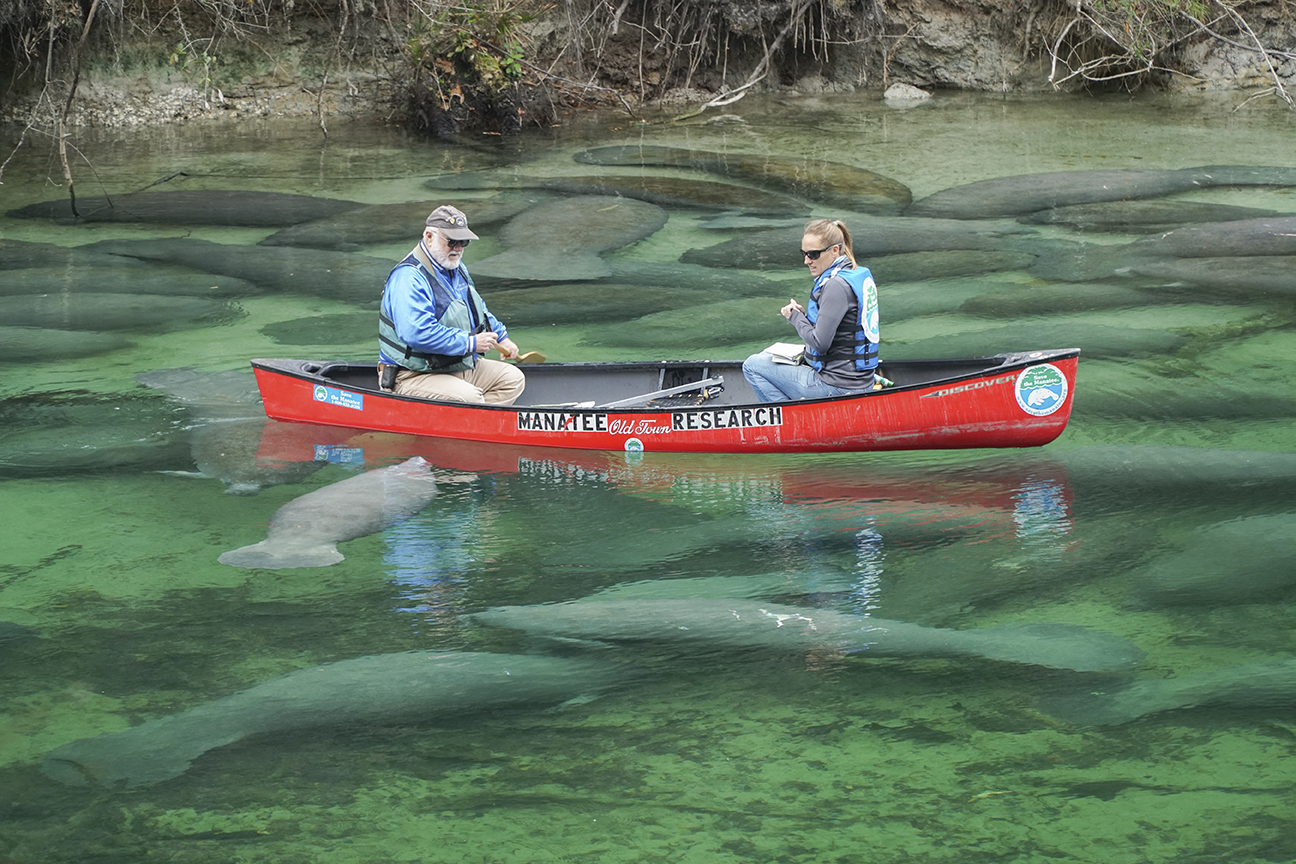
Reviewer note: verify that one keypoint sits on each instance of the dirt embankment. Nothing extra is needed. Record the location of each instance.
(306, 68)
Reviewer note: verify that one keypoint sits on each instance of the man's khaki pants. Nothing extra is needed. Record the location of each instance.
(489, 381)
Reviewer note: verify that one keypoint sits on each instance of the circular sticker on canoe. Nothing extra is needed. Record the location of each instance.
(633, 445)
(1041, 389)
(321, 393)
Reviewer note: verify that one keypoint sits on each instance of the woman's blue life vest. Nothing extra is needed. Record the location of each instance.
(450, 310)
(863, 345)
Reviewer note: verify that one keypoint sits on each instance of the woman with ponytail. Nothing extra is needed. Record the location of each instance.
(839, 328)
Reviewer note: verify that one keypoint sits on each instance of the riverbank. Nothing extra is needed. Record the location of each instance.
(308, 69)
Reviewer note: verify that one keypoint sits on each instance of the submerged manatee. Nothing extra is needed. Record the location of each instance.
(192, 207)
(115, 312)
(1272, 235)
(382, 688)
(391, 223)
(1096, 340)
(1140, 217)
(21, 254)
(1256, 275)
(227, 422)
(1030, 193)
(1240, 561)
(21, 344)
(563, 239)
(780, 248)
(666, 191)
(305, 531)
(815, 180)
(142, 278)
(732, 623)
(1243, 686)
(312, 272)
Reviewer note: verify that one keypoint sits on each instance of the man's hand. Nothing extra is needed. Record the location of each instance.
(507, 349)
(485, 341)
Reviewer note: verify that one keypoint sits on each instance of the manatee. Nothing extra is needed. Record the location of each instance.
(405, 687)
(140, 313)
(736, 623)
(1095, 340)
(21, 254)
(392, 223)
(192, 207)
(823, 182)
(227, 422)
(780, 248)
(1251, 685)
(1030, 193)
(57, 434)
(927, 266)
(1140, 217)
(21, 344)
(664, 191)
(1254, 275)
(590, 303)
(1129, 392)
(313, 272)
(1271, 235)
(563, 239)
(1246, 560)
(700, 325)
(143, 278)
(305, 531)
(333, 330)
(1081, 262)
(12, 633)
(1035, 299)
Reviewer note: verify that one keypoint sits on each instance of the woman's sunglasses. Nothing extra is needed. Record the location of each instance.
(813, 254)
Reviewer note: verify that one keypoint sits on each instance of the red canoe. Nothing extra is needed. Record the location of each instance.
(1009, 400)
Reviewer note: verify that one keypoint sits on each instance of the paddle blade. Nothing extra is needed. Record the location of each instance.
(531, 357)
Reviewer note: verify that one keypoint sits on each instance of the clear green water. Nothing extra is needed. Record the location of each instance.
(723, 754)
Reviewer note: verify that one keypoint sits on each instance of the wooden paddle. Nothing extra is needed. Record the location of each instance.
(530, 357)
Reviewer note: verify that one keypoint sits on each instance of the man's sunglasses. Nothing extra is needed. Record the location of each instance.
(813, 254)
(459, 243)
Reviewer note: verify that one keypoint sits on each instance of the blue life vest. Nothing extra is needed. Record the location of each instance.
(865, 336)
(449, 310)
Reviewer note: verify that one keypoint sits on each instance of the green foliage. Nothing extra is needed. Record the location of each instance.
(479, 43)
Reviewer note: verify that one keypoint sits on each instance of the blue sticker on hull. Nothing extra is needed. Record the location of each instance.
(341, 398)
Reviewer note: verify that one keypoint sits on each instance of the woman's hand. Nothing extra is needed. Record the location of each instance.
(792, 305)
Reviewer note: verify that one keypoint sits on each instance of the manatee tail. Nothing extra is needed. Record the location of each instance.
(140, 756)
(1100, 708)
(270, 556)
(1058, 646)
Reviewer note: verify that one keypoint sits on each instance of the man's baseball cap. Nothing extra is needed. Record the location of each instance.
(451, 222)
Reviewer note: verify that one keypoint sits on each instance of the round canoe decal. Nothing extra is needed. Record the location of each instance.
(1041, 390)
(633, 445)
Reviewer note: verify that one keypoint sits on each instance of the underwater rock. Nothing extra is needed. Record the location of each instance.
(312, 272)
(664, 191)
(115, 312)
(1139, 217)
(383, 688)
(1239, 561)
(305, 531)
(562, 240)
(192, 207)
(819, 181)
(392, 223)
(736, 623)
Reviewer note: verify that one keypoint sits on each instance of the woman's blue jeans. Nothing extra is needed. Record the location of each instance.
(779, 382)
